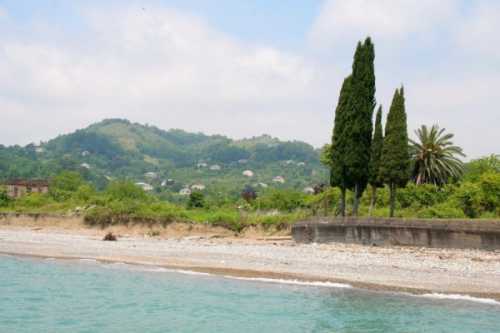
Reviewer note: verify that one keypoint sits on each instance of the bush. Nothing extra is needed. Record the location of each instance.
(469, 197)
(63, 186)
(490, 187)
(125, 190)
(284, 200)
(442, 211)
(196, 200)
(4, 198)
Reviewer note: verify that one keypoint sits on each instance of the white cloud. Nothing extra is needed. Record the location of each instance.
(159, 66)
(341, 21)
(478, 32)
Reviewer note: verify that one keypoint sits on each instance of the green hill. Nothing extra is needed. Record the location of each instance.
(166, 160)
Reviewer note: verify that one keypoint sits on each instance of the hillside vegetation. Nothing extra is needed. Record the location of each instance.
(169, 161)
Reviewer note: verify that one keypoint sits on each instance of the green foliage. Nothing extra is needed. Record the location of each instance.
(469, 197)
(4, 198)
(65, 184)
(196, 200)
(284, 200)
(475, 168)
(124, 191)
(376, 153)
(490, 187)
(395, 162)
(435, 158)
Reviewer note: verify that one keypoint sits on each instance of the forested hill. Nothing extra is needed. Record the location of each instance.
(116, 148)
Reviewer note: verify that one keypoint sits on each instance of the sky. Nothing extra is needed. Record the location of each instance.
(245, 68)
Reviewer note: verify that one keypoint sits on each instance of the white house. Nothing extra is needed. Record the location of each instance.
(201, 165)
(185, 191)
(197, 187)
(145, 186)
(151, 175)
(263, 185)
(279, 179)
(215, 167)
(308, 190)
(85, 166)
(248, 173)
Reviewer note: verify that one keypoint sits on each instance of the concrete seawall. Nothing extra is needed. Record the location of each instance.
(461, 234)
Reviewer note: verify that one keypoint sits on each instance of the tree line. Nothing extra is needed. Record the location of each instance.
(362, 154)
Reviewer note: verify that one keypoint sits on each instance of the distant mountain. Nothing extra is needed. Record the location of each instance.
(117, 148)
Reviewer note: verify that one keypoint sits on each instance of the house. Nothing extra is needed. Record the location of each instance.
(201, 165)
(18, 187)
(309, 190)
(301, 164)
(151, 175)
(85, 165)
(263, 185)
(248, 173)
(243, 161)
(215, 167)
(185, 191)
(197, 187)
(279, 179)
(145, 186)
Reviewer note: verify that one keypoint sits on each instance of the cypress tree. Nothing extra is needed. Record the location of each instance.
(395, 162)
(338, 170)
(376, 154)
(360, 114)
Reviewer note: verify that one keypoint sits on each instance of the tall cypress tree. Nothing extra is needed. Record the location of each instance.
(376, 154)
(338, 170)
(360, 114)
(395, 163)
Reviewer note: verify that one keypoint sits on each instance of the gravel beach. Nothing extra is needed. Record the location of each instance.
(416, 270)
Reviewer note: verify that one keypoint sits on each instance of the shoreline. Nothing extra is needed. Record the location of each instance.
(278, 260)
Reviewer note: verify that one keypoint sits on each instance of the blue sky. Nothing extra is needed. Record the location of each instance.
(243, 68)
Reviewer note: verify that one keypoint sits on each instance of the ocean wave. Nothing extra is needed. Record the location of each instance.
(293, 282)
(461, 298)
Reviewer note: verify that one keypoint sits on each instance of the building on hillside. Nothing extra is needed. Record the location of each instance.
(197, 187)
(185, 191)
(279, 179)
(151, 175)
(309, 190)
(18, 187)
(215, 167)
(145, 186)
(201, 165)
(248, 173)
(85, 166)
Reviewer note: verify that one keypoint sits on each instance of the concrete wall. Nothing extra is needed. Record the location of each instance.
(479, 234)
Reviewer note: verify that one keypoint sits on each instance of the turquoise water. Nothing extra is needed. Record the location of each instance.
(85, 296)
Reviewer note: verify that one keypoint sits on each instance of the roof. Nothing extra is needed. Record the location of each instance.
(27, 182)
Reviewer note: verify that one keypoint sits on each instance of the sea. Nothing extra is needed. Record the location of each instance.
(52, 295)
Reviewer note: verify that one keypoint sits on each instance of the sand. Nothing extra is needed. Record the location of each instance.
(409, 269)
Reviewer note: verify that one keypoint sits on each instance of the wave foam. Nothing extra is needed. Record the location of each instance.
(461, 298)
(293, 282)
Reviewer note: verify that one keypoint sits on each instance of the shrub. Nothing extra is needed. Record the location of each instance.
(196, 200)
(443, 210)
(469, 197)
(284, 200)
(490, 187)
(4, 198)
(65, 184)
(125, 190)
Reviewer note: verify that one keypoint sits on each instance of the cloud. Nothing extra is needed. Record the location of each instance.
(341, 21)
(160, 66)
(478, 32)
(172, 69)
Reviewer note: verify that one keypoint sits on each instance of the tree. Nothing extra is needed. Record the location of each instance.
(361, 106)
(376, 154)
(196, 200)
(395, 162)
(337, 153)
(435, 157)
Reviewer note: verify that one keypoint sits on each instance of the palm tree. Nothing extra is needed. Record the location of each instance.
(434, 156)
